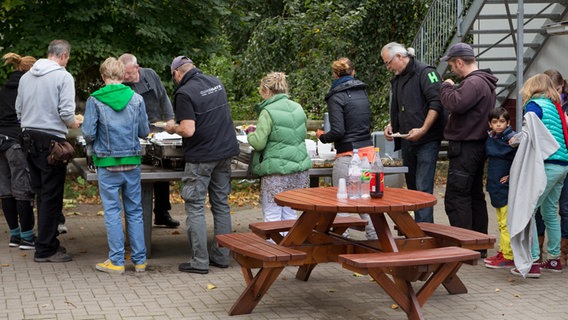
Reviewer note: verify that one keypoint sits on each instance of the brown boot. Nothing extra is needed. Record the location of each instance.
(564, 251)
(540, 244)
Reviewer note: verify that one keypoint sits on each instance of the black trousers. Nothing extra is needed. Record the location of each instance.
(465, 199)
(47, 182)
(161, 198)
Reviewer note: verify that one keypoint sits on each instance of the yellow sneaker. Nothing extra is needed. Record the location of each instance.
(140, 267)
(108, 267)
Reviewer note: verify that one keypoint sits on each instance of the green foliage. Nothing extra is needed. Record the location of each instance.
(306, 36)
(153, 30)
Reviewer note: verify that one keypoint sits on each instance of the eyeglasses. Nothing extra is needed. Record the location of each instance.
(389, 62)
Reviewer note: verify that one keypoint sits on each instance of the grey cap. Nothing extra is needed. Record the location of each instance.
(178, 62)
(458, 50)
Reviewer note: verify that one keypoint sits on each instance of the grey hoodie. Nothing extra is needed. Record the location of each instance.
(46, 98)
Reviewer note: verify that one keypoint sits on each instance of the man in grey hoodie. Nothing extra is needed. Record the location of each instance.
(45, 106)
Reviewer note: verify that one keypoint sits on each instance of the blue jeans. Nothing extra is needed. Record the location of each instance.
(421, 162)
(111, 186)
(548, 204)
(199, 179)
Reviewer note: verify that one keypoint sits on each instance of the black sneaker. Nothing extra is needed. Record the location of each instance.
(15, 241)
(186, 267)
(57, 257)
(27, 244)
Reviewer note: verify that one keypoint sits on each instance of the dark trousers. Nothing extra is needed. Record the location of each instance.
(18, 213)
(47, 183)
(161, 198)
(465, 199)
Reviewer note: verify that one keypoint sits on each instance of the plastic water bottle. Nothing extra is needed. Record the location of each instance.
(377, 177)
(365, 178)
(354, 185)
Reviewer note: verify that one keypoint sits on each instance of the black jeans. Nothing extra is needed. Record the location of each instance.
(465, 199)
(47, 182)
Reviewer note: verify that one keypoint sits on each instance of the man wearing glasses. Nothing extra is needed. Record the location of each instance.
(417, 113)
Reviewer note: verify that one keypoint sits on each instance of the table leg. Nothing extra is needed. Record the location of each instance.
(255, 290)
(384, 233)
(147, 193)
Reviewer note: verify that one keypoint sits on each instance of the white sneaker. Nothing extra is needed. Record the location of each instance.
(61, 228)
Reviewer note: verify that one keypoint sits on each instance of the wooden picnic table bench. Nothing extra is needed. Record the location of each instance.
(251, 252)
(436, 266)
(453, 236)
(272, 229)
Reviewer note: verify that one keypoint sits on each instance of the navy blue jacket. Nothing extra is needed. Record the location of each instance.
(500, 156)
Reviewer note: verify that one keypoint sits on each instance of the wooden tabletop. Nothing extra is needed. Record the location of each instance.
(324, 199)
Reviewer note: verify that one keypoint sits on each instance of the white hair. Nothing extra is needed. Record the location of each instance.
(395, 48)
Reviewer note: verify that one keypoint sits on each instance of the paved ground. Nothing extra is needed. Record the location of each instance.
(75, 290)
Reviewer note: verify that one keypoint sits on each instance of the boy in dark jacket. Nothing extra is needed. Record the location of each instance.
(500, 155)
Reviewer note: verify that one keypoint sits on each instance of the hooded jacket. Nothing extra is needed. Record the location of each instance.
(469, 104)
(349, 116)
(46, 99)
(115, 119)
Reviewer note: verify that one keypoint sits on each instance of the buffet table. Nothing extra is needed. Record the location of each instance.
(151, 174)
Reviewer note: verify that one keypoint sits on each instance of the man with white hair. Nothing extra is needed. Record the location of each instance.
(416, 112)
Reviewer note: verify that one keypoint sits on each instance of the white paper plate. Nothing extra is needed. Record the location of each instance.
(399, 135)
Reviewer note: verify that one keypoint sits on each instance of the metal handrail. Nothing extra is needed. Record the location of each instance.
(442, 21)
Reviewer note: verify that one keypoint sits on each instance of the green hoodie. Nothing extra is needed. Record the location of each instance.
(116, 96)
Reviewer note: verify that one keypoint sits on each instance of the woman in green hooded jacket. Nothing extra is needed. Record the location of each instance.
(280, 158)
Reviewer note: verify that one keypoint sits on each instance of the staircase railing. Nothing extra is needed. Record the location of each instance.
(442, 21)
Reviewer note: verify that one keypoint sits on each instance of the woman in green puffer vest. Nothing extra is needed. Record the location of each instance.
(280, 158)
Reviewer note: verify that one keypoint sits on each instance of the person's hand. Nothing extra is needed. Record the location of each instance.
(415, 134)
(504, 179)
(450, 81)
(250, 129)
(319, 132)
(170, 125)
(388, 132)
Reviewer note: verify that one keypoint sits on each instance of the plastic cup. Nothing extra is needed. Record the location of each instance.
(342, 189)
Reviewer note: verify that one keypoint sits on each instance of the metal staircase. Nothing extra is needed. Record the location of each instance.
(490, 26)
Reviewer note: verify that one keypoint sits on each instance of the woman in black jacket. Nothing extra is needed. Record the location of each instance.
(350, 124)
(15, 187)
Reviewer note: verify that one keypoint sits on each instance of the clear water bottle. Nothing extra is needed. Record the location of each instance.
(365, 178)
(377, 177)
(354, 185)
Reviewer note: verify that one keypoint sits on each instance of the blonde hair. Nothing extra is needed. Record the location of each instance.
(539, 85)
(112, 69)
(20, 63)
(274, 83)
(342, 67)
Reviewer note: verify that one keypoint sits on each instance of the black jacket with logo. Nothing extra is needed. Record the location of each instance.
(414, 92)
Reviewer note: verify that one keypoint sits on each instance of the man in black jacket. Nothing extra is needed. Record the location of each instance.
(417, 113)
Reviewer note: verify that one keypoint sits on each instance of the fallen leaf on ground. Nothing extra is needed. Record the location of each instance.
(355, 274)
(394, 306)
(100, 213)
(211, 286)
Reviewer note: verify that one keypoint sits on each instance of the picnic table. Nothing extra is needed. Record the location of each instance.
(433, 255)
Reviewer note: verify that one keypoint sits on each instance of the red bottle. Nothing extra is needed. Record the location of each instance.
(377, 177)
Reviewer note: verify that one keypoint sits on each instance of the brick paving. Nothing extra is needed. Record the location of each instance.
(75, 290)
